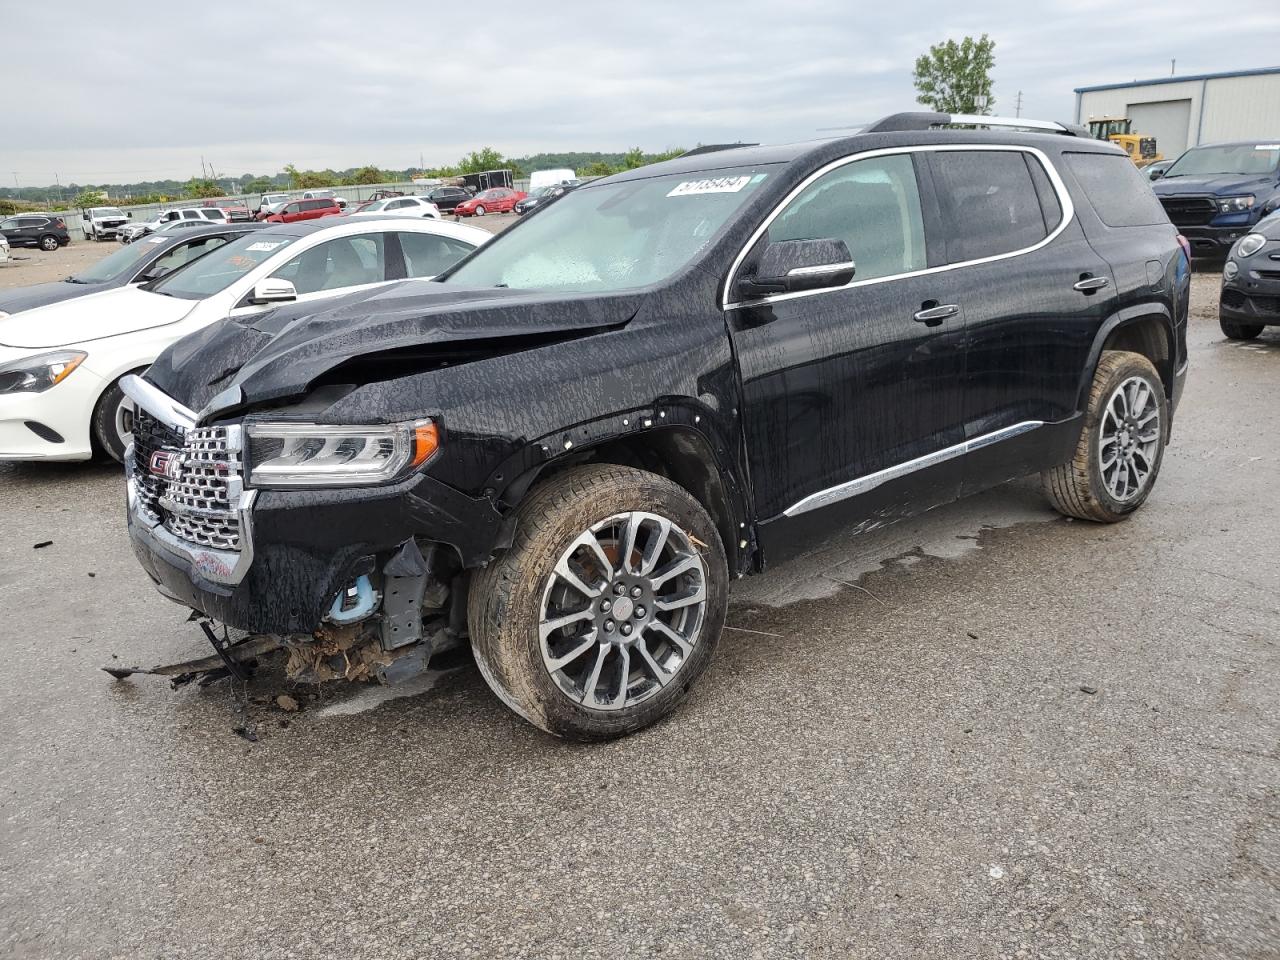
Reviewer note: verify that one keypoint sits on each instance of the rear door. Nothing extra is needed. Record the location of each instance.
(850, 402)
(1033, 292)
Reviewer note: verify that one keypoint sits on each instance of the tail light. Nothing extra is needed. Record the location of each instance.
(1185, 244)
(60, 223)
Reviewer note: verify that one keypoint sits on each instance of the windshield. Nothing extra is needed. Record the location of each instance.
(540, 192)
(1243, 158)
(107, 212)
(124, 260)
(372, 206)
(216, 271)
(613, 236)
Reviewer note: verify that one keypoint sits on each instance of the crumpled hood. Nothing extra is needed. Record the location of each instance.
(280, 354)
(1219, 185)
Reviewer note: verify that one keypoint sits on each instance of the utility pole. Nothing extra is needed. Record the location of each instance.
(1173, 65)
(1017, 110)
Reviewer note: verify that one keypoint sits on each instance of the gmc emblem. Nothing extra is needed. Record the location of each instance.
(166, 463)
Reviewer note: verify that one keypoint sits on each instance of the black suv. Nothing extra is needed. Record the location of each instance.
(48, 231)
(566, 447)
(448, 198)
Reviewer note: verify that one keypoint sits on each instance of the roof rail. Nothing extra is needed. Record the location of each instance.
(899, 122)
(715, 148)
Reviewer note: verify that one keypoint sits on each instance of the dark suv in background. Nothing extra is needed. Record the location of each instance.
(1215, 193)
(447, 198)
(565, 448)
(48, 231)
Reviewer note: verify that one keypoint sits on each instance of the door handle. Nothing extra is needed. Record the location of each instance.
(1087, 284)
(933, 313)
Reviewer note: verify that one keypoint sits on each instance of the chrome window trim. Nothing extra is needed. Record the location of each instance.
(864, 484)
(1060, 188)
(821, 269)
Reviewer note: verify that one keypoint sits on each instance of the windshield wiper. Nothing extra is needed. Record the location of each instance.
(72, 280)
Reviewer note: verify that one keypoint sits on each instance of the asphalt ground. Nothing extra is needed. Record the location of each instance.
(984, 732)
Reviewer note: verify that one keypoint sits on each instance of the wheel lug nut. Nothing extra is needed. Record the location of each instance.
(605, 605)
(640, 613)
(635, 591)
(619, 588)
(608, 626)
(626, 629)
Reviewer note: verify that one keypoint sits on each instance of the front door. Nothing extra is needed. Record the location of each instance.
(852, 396)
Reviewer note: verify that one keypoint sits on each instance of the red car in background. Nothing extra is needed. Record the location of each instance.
(495, 200)
(296, 210)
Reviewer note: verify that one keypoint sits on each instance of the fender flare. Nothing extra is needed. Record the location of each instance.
(683, 427)
(1125, 316)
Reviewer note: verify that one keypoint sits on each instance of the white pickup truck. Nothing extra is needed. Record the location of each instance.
(102, 223)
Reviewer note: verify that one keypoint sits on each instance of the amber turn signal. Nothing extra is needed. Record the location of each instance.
(426, 438)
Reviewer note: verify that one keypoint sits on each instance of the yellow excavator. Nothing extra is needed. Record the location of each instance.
(1141, 150)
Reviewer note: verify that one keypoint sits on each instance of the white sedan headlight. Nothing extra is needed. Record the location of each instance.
(321, 455)
(1250, 245)
(38, 373)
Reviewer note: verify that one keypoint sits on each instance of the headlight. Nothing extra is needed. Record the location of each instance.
(1250, 245)
(319, 455)
(1230, 271)
(37, 374)
(1235, 204)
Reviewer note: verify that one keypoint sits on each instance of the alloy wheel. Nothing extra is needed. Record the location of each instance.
(1129, 440)
(622, 610)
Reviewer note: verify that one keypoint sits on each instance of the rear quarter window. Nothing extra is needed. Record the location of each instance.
(995, 207)
(1118, 193)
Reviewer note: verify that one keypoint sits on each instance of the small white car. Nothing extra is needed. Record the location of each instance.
(399, 207)
(60, 365)
(4, 248)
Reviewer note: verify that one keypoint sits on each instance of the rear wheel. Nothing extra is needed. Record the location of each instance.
(49, 242)
(1239, 331)
(1120, 449)
(112, 423)
(606, 608)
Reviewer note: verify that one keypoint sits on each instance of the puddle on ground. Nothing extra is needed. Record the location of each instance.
(948, 532)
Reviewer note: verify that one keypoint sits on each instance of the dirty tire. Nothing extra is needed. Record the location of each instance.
(49, 242)
(104, 425)
(1239, 331)
(506, 598)
(1076, 488)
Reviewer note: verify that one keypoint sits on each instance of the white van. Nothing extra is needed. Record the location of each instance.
(550, 178)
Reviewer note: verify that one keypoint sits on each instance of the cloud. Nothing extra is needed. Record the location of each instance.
(251, 87)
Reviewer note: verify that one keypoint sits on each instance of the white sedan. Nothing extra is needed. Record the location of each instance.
(60, 365)
(399, 207)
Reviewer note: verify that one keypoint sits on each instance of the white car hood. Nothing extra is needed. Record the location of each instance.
(99, 315)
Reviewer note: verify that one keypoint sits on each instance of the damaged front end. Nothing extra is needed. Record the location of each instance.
(348, 596)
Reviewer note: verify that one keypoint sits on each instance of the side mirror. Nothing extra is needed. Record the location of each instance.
(1155, 174)
(272, 290)
(789, 266)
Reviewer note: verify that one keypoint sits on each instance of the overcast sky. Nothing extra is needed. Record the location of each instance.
(119, 92)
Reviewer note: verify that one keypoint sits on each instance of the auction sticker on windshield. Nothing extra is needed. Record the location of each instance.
(714, 185)
(264, 246)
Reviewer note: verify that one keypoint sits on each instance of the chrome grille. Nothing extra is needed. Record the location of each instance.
(197, 498)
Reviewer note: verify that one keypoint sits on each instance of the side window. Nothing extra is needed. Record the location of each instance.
(1119, 194)
(191, 214)
(1050, 205)
(873, 205)
(183, 254)
(426, 254)
(993, 201)
(343, 262)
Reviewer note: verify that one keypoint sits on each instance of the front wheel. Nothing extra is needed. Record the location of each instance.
(1239, 331)
(1120, 449)
(606, 608)
(112, 423)
(49, 243)
(479, 211)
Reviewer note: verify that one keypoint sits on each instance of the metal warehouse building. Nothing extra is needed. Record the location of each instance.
(1183, 112)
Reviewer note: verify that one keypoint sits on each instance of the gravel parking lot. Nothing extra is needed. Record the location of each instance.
(985, 732)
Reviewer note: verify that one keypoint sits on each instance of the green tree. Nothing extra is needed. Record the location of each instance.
(308, 179)
(597, 169)
(197, 188)
(89, 198)
(956, 77)
(368, 175)
(635, 157)
(477, 161)
(258, 185)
